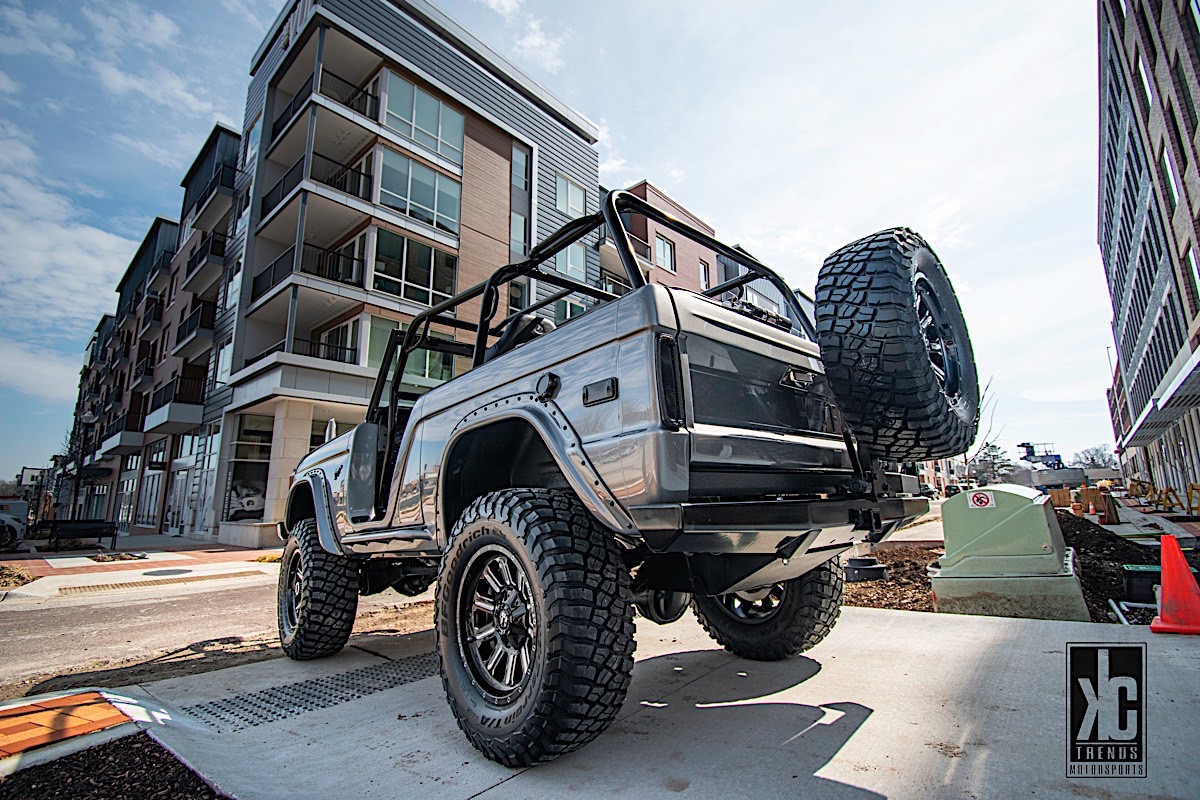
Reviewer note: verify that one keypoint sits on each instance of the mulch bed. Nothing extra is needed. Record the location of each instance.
(907, 586)
(133, 767)
(1099, 554)
(106, 557)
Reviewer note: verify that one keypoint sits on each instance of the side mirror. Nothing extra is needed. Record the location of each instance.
(331, 430)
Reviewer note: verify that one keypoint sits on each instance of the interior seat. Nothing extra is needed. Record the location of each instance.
(521, 330)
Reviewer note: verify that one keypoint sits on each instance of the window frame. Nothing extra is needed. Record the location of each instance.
(434, 295)
(562, 199)
(659, 241)
(453, 152)
(407, 204)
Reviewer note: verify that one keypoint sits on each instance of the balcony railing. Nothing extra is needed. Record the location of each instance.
(143, 368)
(224, 178)
(356, 98)
(614, 285)
(202, 317)
(327, 264)
(162, 265)
(640, 248)
(341, 177)
(336, 88)
(282, 187)
(153, 313)
(212, 245)
(178, 390)
(278, 347)
(129, 421)
(329, 352)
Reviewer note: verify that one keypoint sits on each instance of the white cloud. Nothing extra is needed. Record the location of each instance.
(505, 8)
(615, 171)
(156, 84)
(57, 273)
(39, 33)
(38, 372)
(7, 84)
(539, 47)
(124, 25)
(175, 154)
(243, 10)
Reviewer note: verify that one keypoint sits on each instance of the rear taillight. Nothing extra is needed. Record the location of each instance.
(670, 382)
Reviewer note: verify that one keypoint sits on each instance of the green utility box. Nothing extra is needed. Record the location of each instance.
(1005, 557)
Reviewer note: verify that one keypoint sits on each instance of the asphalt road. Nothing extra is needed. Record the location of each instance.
(55, 637)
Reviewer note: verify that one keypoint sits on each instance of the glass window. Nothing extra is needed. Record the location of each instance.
(664, 253)
(420, 192)
(340, 343)
(520, 167)
(233, 286)
(566, 309)
(250, 145)
(224, 362)
(518, 234)
(1169, 172)
(704, 284)
(417, 115)
(569, 198)
(413, 270)
(517, 297)
(377, 339)
(1149, 93)
(572, 262)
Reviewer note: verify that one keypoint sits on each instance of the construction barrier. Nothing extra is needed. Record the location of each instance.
(1141, 489)
(1060, 498)
(1168, 499)
(1193, 489)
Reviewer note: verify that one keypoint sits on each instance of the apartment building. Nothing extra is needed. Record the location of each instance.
(1149, 200)
(388, 159)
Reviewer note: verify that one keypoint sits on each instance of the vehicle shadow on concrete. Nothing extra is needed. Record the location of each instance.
(705, 721)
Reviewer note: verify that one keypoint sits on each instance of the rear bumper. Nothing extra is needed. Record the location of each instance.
(780, 527)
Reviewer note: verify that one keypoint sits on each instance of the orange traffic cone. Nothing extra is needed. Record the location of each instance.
(1180, 606)
(1091, 507)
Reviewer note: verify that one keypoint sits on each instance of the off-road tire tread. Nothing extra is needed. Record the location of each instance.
(331, 584)
(811, 606)
(590, 623)
(875, 358)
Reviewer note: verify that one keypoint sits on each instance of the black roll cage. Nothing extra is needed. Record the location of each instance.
(615, 203)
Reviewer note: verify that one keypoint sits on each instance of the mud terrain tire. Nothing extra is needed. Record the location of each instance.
(778, 621)
(317, 596)
(534, 625)
(896, 348)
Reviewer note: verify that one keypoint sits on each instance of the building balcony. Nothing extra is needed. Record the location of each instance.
(217, 198)
(310, 349)
(205, 265)
(323, 170)
(123, 436)
(346, 93)
(152, 314)
(176, 406)
(193, 336)
(143, 376)
(315, 261)
(160, 273)
(614, 285)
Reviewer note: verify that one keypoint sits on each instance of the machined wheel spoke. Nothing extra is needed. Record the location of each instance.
(484, 605)
(493, 660)
(510, 666)
(491, 579)
(505, 571)
(484, 633)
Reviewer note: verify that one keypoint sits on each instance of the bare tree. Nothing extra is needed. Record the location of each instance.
(1096, 456)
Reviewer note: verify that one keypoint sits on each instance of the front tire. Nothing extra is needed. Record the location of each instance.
(534, 626)
(317, 596)
(777, 621)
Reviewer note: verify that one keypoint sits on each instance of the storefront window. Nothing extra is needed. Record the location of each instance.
(245, 499)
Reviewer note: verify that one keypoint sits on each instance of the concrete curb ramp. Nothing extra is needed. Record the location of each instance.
(893, 704)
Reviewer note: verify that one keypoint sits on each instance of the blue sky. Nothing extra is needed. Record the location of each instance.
(791, 128)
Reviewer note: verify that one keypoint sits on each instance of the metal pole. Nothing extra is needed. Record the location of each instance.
(78, 470)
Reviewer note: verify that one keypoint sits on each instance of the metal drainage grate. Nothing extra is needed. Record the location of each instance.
(282, 702)
(104, 587)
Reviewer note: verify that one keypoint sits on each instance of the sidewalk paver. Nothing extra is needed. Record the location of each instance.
(29, 725)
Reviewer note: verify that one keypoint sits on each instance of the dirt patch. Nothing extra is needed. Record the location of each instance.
(270, 558)
(12, 577)
(209, 655)
(1099, 554)
(921, 521)
(907, 587)
(132, 767)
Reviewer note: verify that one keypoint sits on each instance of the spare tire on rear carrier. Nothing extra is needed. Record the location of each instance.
(896, 348)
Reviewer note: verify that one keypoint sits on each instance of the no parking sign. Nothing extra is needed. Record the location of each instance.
(981, 500)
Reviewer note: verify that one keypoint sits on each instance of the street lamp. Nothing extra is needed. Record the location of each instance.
(87, 419)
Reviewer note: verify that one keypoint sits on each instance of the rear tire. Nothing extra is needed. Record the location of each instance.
(534, 626)
(317, 596)
(896, 348)
(777, 621)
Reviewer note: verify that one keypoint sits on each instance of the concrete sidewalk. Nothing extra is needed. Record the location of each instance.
(893, 704)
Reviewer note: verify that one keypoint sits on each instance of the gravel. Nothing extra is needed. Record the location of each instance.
(907, 586)
(133, 767)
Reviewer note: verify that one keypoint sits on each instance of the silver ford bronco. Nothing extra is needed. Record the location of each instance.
(665, 449)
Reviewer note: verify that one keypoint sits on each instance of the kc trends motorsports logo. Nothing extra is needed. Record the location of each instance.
(1106, 710)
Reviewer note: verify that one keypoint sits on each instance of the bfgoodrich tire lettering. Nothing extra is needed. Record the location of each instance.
(896, 348)
(562, 603)
(778, 621)
(317, 596)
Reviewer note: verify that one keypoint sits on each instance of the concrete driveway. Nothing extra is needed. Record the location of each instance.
(892, 704)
